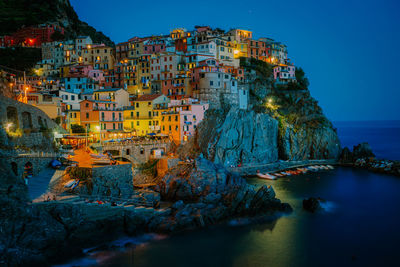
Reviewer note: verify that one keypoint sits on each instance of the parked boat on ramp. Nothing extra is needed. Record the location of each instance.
(267, 176)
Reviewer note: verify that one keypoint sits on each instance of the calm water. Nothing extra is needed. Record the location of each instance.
(359, 226)
(383, 136)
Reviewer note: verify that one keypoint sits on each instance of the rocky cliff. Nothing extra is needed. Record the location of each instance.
(282, 122)
(18, 13)
(240, 136)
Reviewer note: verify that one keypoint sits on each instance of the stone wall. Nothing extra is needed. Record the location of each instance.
(113, 180)
(34, 126)
(136, 153)
(17, 163)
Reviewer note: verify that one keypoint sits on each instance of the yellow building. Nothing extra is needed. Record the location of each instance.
(129, 116)
(137, 75)
(240, 50)
(100, 56)
(144, 117)
(72, 117)
(49, 104)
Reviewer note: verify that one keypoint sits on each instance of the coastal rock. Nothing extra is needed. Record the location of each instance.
(346, 156)
(308, 143)
(362, 150)
(214, 189)
(239, 137)
(312, 204)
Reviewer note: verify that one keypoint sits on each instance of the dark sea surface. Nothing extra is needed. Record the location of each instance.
(383, 136)
(360, 224)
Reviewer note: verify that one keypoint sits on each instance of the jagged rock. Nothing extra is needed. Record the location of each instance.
(178, 205)
(311, 204)
(346, 156)
(213, 187)
(362, 150)
(239, 137)
(308, 143)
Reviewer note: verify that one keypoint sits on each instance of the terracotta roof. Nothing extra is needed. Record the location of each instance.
(148, 97)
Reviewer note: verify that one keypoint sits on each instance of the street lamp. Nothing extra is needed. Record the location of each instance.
(8, 126)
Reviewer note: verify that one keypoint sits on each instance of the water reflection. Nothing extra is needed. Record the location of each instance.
(361, 229)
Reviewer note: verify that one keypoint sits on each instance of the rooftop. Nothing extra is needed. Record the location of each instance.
(148, 97)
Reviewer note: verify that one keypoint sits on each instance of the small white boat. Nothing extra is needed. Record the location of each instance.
(266, 176)
(330, 167)
(69, 183)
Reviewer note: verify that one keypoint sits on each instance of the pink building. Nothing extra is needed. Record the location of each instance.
(285, 73)
(191, 113)
(81, 69)
(97, 75)
(154, 46)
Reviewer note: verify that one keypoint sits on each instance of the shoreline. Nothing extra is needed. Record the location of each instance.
(278, 166)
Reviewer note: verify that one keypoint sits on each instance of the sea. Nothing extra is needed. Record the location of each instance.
(358, 226)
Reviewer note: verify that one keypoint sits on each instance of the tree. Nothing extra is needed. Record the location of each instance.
(75, 128)
(57, 36)
(301, 78)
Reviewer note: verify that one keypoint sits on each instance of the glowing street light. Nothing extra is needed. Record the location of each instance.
(8, 126)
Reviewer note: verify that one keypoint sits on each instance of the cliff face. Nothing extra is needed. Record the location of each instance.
(17, 13)
(240, 136)
(281, 122)
(308, 143)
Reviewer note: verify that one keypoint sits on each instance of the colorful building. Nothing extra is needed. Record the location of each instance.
(101, 117)
(146, 114)
(285, 73)
(117, 95)
(181, 119)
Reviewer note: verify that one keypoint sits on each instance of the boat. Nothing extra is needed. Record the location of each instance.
(266, 176)
(330, 167)
(69, 184)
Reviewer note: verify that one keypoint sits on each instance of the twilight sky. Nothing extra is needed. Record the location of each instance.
(350, 50)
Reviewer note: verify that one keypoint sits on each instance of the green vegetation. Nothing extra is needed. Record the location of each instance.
(263, 69)
(149, 167)
(17, 13)
(20, 58)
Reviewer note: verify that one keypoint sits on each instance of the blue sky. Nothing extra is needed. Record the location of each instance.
(348, 49)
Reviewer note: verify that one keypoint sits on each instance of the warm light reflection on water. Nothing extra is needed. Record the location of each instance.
(362, 217)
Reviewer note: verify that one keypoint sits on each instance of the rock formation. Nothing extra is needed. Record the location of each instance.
(240, 137)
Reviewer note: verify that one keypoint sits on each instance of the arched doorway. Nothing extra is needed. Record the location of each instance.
(26, 120)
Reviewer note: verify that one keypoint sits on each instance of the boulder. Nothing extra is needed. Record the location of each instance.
(312, 204)
(362, 150)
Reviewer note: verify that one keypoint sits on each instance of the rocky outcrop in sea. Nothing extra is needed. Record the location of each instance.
(363, 157)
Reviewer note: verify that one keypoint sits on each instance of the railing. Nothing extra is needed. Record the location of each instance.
(39, 155)
(135, 143)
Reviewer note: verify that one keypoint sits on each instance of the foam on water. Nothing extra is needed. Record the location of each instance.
(328, 206)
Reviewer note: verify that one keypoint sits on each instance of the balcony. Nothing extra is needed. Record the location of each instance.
(111, 120)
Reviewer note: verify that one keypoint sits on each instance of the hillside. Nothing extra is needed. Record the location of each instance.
(17, 13)
(283, 122)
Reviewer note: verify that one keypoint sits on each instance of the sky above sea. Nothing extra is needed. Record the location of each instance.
(349, 49)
